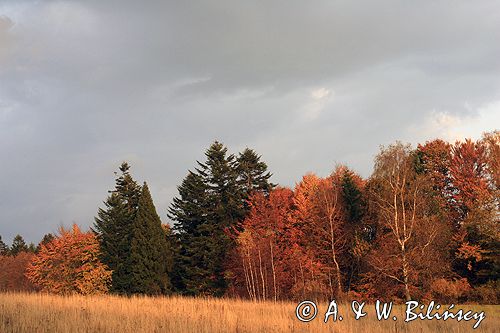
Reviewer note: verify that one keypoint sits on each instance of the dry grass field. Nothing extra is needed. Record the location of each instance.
(40, 313)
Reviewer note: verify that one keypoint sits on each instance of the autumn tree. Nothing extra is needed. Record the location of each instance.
(311, 280)
(70, 264)
(434, 160)
(12, 272)
(409, 236)
(263, 256)
(491, 141)
(475, 200)
(329, 227)
(469, 177)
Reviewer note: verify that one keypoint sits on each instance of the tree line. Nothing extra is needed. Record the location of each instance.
(424, 225)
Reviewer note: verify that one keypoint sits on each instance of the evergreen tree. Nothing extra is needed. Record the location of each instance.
(190, 212)
(358, 234)
(353, 198)
(220, 173)
(47, 238)
(32, 248)
(18, 245)
(4, 249)
(226, 211)
(149, 255)
(113, 226)
(252, 173)
(170, 240)
(210, 203)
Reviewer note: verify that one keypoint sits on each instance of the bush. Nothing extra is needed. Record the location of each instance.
(488, 293)
(449, 291)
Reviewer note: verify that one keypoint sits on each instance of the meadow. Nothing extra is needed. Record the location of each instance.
(22, 312)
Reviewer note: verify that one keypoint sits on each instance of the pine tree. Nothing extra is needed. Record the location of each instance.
(18, 245)
(113, 226)
(149, 255)
(4, 249)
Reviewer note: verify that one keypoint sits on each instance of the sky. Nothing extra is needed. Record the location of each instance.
(85, 85)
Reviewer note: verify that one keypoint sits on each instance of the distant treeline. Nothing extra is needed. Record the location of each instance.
(424, 225)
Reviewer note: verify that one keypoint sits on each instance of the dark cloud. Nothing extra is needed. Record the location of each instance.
(87, 84)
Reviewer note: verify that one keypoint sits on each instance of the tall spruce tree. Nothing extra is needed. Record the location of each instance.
(190, 211)
(18, 245)
(149, 254)
(4, 249)
(113, 226)
(210, 202)
(252, 173)
(226, 202)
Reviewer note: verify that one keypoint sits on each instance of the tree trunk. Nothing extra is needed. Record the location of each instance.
(274, 271)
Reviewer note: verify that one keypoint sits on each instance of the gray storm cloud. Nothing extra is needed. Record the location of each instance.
(85, 85)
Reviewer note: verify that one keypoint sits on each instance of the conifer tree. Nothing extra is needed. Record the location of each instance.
(18, 245)
(47, 238)
(352, 197)
(357, 235)
(149, 255)
(31, 247)
(252, 173)
(210, 203)
(190, 211)
(4, 249)
(113, 226)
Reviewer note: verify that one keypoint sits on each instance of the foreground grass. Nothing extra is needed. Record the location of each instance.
(46, 313)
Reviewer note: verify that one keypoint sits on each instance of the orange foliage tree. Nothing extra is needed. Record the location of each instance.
(324, 228)
(469, 176)
(312, 277)
(70, 264)
(410, 247)
(12, 272)
(491, 142)
(263, 259)
(434, 160)
(475, 199)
